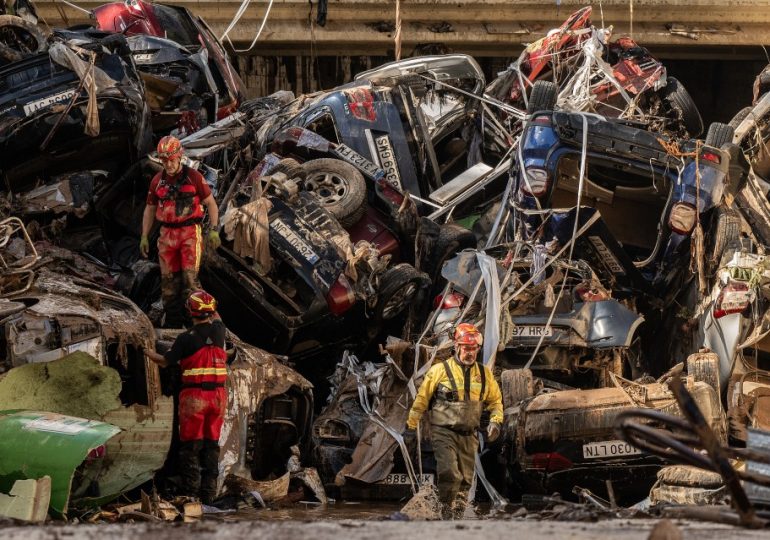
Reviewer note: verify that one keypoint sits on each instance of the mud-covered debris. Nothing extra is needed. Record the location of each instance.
(424, 505)
(28, 500)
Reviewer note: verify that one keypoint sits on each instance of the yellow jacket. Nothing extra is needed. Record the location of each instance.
(436, 376)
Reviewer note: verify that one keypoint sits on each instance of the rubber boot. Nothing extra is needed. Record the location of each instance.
(209, 471)
(190, 467)
(171, 288)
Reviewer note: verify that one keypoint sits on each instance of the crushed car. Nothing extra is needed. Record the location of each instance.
(78, 106)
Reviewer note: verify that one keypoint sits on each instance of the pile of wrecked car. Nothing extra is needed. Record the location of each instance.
(603, 249)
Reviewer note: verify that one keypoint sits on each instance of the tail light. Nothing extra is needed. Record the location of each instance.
(97, 453)
(734, 297)
(541, 121)
(551, 462)
(586, 293)
(535, 182)
(710, 156)
(361, 103)
(341, 296)
(682, 218)
(448, 301)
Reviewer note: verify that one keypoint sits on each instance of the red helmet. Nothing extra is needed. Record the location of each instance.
(467, 334)
(201, 304)
(169, 148)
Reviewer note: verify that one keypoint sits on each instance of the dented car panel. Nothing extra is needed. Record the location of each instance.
(567, 438)
(34, 444)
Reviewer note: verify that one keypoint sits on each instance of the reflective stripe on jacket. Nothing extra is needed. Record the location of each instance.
(207, 365)
(436, 379)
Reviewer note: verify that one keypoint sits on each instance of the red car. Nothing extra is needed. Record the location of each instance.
(135, 17)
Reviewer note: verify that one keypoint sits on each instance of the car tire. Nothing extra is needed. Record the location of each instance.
(517, 385)
(543, 97)
(339, 186)
(739, 117)
(704, 367)
(725, 234)
(719, 134)
(291, 168)
(397, 289)
(21, 32)
(451, 239)
(678, 99)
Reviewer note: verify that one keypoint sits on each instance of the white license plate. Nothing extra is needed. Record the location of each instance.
(34, 106)
(296, 242)
(354, 158)
(388, 161)
(604, 449)
(532, 331)
(403, 479)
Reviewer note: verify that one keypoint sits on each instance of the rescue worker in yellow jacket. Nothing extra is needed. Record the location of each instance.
(456, 391)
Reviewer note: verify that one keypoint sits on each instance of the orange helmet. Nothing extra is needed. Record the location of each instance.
(201, 304)
(169, 148)
(467, 334)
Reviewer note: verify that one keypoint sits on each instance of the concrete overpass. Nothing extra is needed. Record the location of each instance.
(712, 45)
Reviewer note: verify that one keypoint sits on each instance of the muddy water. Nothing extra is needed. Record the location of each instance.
(341, 510)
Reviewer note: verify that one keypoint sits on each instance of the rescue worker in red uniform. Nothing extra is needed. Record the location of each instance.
(200, 353)
(176, 198)
(456, 391)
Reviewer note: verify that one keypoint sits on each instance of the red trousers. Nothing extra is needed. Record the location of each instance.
(180, 249)
(201, 413)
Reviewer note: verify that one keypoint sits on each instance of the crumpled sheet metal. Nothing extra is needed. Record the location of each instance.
(372, 459)
(112, 318)
(254, 376)
(77, 385)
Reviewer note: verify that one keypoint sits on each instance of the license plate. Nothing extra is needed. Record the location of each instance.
(403, 479)
(532, 331)
(360, 162)
(604, 449)
(302, 247)
(34, 106)
(143, 57)
(388, 161)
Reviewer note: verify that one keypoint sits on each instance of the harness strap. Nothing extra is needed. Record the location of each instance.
(450, 377)
(483, 373)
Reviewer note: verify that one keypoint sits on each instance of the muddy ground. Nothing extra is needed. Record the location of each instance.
(379, 530)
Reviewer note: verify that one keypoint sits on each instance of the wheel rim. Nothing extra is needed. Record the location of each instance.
(396, 303)
(331, 188)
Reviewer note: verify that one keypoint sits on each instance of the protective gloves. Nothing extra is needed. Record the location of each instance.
(214, 240)
(144, 246)
(493, 431)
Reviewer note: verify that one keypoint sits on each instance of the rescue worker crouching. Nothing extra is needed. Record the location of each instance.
(176, 198)
(456, 390)
(200, 352)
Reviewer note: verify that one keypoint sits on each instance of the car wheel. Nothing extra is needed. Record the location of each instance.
(681, 107)
(19, 38)
(739, 117)
(719, 134)
(543, 97)
(340, 187)
(704, 367)
(291, 168)
(517, 385)
(398, 288)
(725, 234)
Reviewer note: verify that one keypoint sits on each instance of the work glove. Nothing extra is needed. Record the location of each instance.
(493, 431)
(214, 240)
(409, 435)
(144, 246)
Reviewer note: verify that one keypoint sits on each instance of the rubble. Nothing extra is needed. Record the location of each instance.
(615, 262)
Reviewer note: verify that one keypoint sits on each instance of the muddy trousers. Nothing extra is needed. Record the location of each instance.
(201, 414)
(179, 255)
(455, 464)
